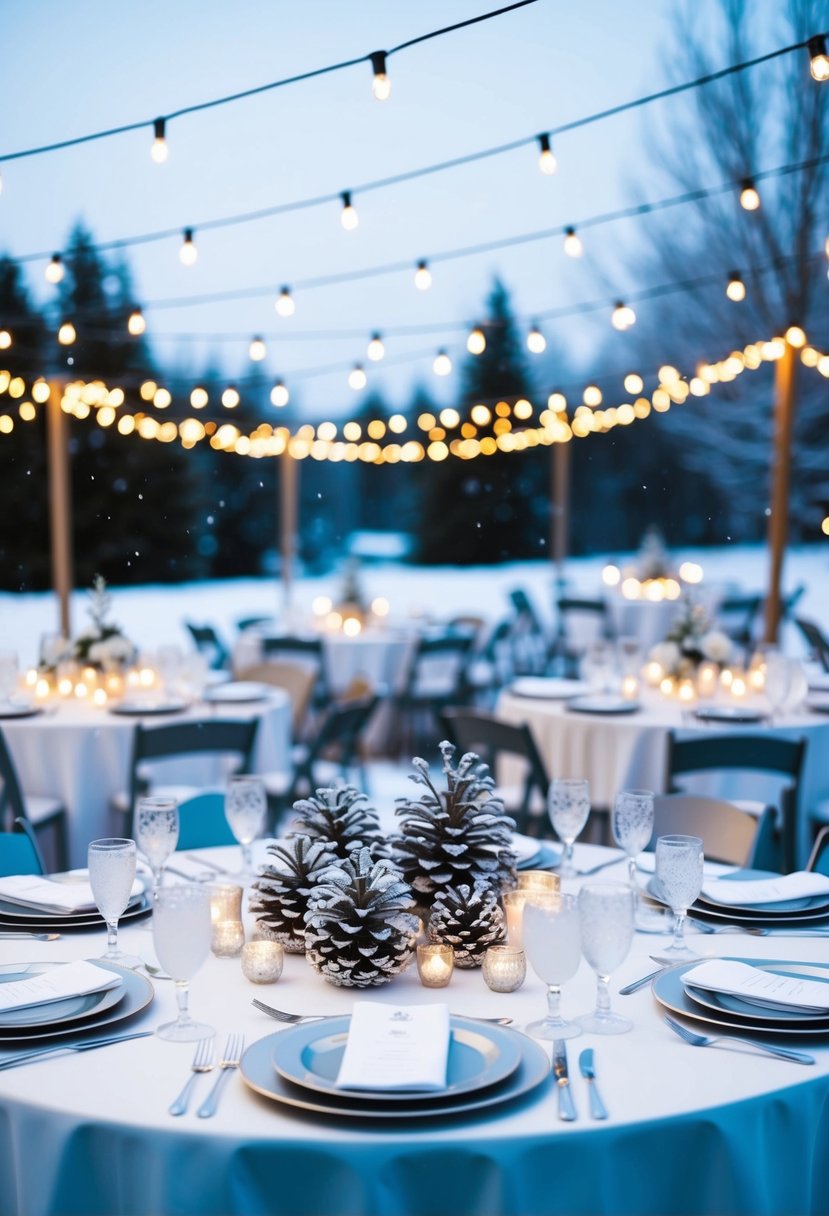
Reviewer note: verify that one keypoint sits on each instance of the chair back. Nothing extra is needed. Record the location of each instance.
(437, 672)
(307, 650)
(728, 833)
(250, 622)
(337, 737)
(19, 853)
(202, 822)
(818, 861)
(750, 753)
(297, 679)
(209, 644)
(816, 641)
(12, 805)
(580, 623)
(736, 616)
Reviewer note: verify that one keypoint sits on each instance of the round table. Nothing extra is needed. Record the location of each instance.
(379, 656)
(690, 1131)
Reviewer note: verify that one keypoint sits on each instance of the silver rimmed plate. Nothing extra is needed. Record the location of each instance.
(809, 903)
(70, 1009)
(669, 991)
(755, 1011)
(734, 914)
(15, 911)
(729, 713)
(19, 709)
(479, 1056)
(13, 917)
(138, 992)
(237, 692)
(548, 688)
(148, 708)
(603, 703)
(260, 1075)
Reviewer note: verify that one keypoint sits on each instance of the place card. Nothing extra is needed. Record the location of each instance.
(758, 986)
(56, 984)
(396, 1047)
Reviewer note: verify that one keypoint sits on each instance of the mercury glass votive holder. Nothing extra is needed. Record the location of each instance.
(225, 901)
(227, 938)
(435, 964)
(539, 880)
(262, 961)
(513, 902)
(504, 968)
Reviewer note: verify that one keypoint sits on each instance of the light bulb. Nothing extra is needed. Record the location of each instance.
(572, 243)
(285, 305)
(257, 350)
(357, 378)
(55, 269)
(376, 349)
(230, 397)
(279, 394)
(623, 316)
(380, 85)
(818, 58)
(749, 198)
(66, 334)
(476, 342)
(536, 342)
(5, 339)
(442, 365)
(348, 217)
(199, 398)
(547, 162)
(633, 383)
(736, 288)
(136, 323)
(795, 336)
(159, 150)
(423, 275)
(188, 252)
(592, 396)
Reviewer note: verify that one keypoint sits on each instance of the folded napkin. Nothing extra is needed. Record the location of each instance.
(760, 987)
(56, 984)
(396, 1047)
(779, 889)
(45, 895)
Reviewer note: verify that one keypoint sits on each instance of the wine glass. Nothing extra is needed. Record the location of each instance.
(632, 824)
(156, 831)
(606, 918)
(552, 943)
(778, 682)
(569, 806)
(181, 936)
(679, 874)
(8, 674)
(111, 875)
(246, 806)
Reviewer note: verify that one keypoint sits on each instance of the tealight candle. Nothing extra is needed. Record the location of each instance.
(435, 964)
(225, 902)
(262, 961)
(630, 688)
(504, 968)
(228, 938)
(538, 880)
(707, 676)
(666, 686)
(653, 673)
(686, 691)
(513, 902)
(739, 688)
(726, 676)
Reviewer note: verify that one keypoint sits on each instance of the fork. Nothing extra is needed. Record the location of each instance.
(705, 1040)
(296, 1018)
(230, 1060)
(202, 1062)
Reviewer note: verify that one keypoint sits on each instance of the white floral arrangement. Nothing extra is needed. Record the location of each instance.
(691, 641)
(104, 644)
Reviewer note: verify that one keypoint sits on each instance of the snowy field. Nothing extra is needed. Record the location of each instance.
(154, 615)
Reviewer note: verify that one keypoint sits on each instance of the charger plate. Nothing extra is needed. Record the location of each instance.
(237, 692)
(730, 713)
(547, 688)
(138, 993)
(757, 916)
(70, 1009)
(147, 709)
(479, 1056)
(21, 709)
(754, 1011)
(669, 991)
(12, 918)
(603, 703)
(258, 1072)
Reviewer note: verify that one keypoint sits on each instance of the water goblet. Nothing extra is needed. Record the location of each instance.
(606, 921)
(569, 806)
(632, 824)
(246, 806)
(181, 936)
(156, 831)
(777, 682)
(111, 875)
(552, 943)
(679, 874)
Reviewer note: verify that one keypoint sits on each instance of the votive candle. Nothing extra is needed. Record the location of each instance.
(228, 938)
(504, 968)
(225, 902)
(435, 964)
(630, 688)
(262, 961)
(539, 880)
(514, 908)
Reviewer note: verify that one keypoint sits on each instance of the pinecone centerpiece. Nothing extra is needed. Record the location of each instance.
(462, 836)
(341, 818)
(359, 927)
(470, 920)
(282, 892)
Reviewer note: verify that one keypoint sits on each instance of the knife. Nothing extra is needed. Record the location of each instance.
(597, 1108)
(59, 1048)
(566, 1109)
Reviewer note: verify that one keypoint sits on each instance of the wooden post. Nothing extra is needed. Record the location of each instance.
(288, 492)
(785, 376)
(60, 505)
(560, 512)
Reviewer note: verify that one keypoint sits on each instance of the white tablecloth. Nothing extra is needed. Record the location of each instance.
(689, 1130)
(378, 656)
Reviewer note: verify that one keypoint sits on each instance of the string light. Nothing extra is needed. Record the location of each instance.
(633, 383)
(592, 396)
(442, 365)
(423, 275)
(795, 336)
(279, 395)
(547, 162)
(230, 397)
(5, 339)
(199, 398)
(188, 252)
(55, 269)
(818, 58)
(536, 342)
(376, 349)
(380, 85)
(285, 305)
(66, 334)
(623, 316)
(159, 150)
(136, 323)
(348, 217)
(257, 350)
(736, 288)
(572, 243)
(749, 198)
(476, 342)
(357, 378)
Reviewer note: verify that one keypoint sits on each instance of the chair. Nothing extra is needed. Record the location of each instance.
(728, 833)
(490, 738)
(41, 811)
(296, 678)
(819, 858)
(19, 853)
(210, 645)
(530, 644)
(435, 679)
(309, 651)
(202, 822)
(737, 615)
(233, 737)
(816, 640)
(580, 622)
(751, 753)
(490, 664)
(250, 622)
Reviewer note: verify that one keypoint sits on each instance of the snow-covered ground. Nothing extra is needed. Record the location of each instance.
(154, 615)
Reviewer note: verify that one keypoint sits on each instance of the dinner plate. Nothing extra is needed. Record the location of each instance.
(70, 1009)
(148, 708)
(138, 993)
(19, 709)
(479, 1056)
(729, 713)
(779, 908)
(13, 917)
(669, 991)
(237, 692)
(547, 858)
(753, 1011)
(740, 915)
(548, 688)
(603, 703)
(259, 1074)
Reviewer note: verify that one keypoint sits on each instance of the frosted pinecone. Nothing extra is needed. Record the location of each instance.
(342, 818)
(282, 891)
(470, 919)
(359, 927)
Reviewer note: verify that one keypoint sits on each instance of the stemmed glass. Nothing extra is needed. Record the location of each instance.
(156, 830)
(246, 806)
(552, 942)
(569, 806)
(8, 674)
(632, 824)
(679, 873)
(606, 914)
(777, 683)
(181, 936)
(111, 875)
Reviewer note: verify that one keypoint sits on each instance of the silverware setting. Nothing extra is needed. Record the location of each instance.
(603, 865)
(706, 1040)
(38, 937)
(640, 983)
(59, 1048)
(566, 1106)
(598, 1110)
(202, 1062)
(295, 1019)
(704, 927)
(230, 1060)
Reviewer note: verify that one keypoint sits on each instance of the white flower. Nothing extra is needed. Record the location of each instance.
(716, 646)
(54, 650)
(115, 649)
(666, 654)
